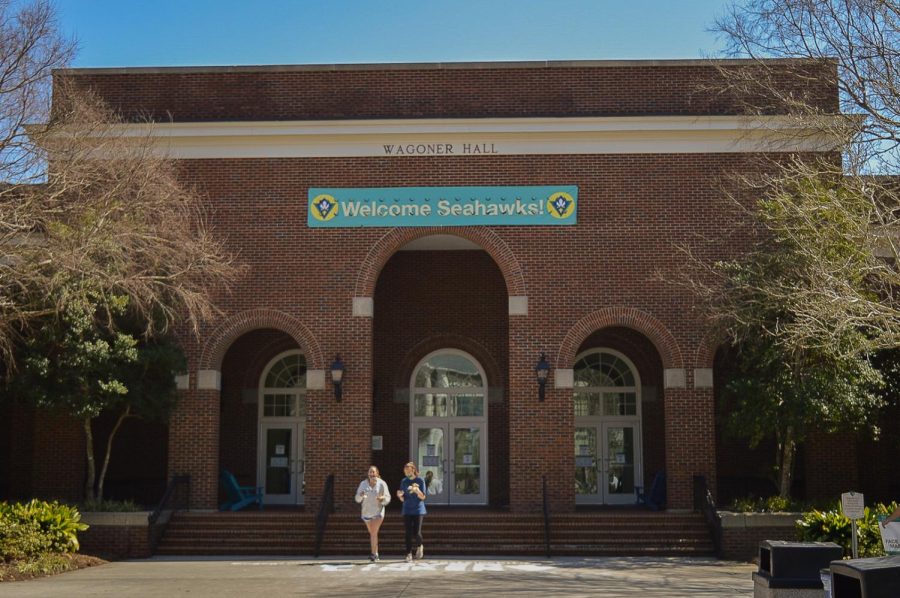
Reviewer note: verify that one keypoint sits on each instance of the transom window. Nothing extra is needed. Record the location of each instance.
(605, 385)
(283, 387)
(448, 384)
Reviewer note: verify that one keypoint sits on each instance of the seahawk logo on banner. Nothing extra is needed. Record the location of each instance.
(561, 205)
(323, 207)
(443, 206)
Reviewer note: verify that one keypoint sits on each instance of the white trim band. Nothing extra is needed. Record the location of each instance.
(363, 307)
(209, 380)
(518, 305)
(703, 378)
(315, 379)
(478, 137)
(674, 377)
(563, 378)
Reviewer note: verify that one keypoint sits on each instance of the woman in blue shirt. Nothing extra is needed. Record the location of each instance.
(412, 495)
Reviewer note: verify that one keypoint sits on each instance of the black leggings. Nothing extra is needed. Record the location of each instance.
(413, 525)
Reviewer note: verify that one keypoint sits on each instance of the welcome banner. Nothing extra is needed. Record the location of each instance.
(550, 205)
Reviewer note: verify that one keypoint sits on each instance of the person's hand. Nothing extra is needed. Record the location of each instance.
(400, 495)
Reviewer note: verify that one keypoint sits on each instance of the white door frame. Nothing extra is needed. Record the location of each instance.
(600, 423)
(295, 462)
(297, 424)
(449, 423)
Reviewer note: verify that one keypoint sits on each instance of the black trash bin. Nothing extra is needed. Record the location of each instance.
(866, 578)
(792, 565)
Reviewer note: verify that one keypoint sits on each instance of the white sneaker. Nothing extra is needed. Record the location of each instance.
(409, 558)
(420, 551)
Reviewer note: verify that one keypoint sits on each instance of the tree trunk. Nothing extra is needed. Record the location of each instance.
(91, 469)
(788, 450)
(109, 442)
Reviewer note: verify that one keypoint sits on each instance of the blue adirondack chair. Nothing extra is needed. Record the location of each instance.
(239, 496)
(656, 498)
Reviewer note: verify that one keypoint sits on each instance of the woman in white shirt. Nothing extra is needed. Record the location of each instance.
(373, 495)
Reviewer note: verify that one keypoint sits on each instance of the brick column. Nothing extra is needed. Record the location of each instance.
(690, 441)
(194, 444)
(540, 434)
(339, 434)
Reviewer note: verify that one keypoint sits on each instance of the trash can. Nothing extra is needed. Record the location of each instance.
(793, 568)
(866, 578)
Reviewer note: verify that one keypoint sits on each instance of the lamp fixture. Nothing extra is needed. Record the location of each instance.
(542, 371)
(337, 376)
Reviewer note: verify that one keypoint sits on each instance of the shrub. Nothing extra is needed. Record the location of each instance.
(772, 504)
(58, 524)
(832, 526)
(21, 540)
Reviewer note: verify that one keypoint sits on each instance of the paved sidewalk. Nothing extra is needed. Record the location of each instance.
(569, 577)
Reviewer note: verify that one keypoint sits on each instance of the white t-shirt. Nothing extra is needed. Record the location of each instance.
(368, 497)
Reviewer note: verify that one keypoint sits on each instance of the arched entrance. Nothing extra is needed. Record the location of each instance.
(608, 455)
(448, 427)
(282, 429)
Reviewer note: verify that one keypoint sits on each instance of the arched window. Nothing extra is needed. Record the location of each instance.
(283, 386)
(606, 384)
(448, 384)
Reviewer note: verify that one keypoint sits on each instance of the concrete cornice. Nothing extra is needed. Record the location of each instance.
(418, 66)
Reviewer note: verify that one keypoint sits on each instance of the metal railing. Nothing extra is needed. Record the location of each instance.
(169, 497)
(326, 507)
(705, 504)
(546, 516)
(169, 504)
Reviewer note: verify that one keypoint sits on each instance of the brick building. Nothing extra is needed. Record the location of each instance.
(440, 319)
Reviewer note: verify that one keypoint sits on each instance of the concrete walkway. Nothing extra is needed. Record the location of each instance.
(568, 577)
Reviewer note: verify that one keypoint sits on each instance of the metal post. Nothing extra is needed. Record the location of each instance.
(855, 541)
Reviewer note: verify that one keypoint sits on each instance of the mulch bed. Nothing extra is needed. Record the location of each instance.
(8, 571)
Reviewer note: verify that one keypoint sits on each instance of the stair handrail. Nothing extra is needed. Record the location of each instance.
(546, 509)
(167, 504)
(326, 506)
(167, 497)
(706, 504)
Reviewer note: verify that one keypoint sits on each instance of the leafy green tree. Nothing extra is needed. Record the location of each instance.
(79, 364)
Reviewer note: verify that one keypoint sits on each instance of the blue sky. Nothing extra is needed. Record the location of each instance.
(226, 32)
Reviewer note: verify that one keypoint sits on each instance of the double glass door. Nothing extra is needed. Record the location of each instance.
(607, 461)
(281, 465)
(451, 458)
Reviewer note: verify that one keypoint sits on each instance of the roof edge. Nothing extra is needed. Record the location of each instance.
(403, 66)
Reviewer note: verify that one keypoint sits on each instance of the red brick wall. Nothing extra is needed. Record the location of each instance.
(322, 93)
(118, 542)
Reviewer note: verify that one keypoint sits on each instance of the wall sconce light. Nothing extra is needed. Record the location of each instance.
(542, 371)
(337, 376)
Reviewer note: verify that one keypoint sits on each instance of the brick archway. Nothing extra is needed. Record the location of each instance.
(706, 351)
(488, 240)
(628, 317)
(222, 337)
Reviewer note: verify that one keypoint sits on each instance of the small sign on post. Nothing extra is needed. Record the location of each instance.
(853, 505)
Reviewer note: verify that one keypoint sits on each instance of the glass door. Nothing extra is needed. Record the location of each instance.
(466, 470)
(618, 474)
(431, 457)
(282, 465)
(587, 490)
